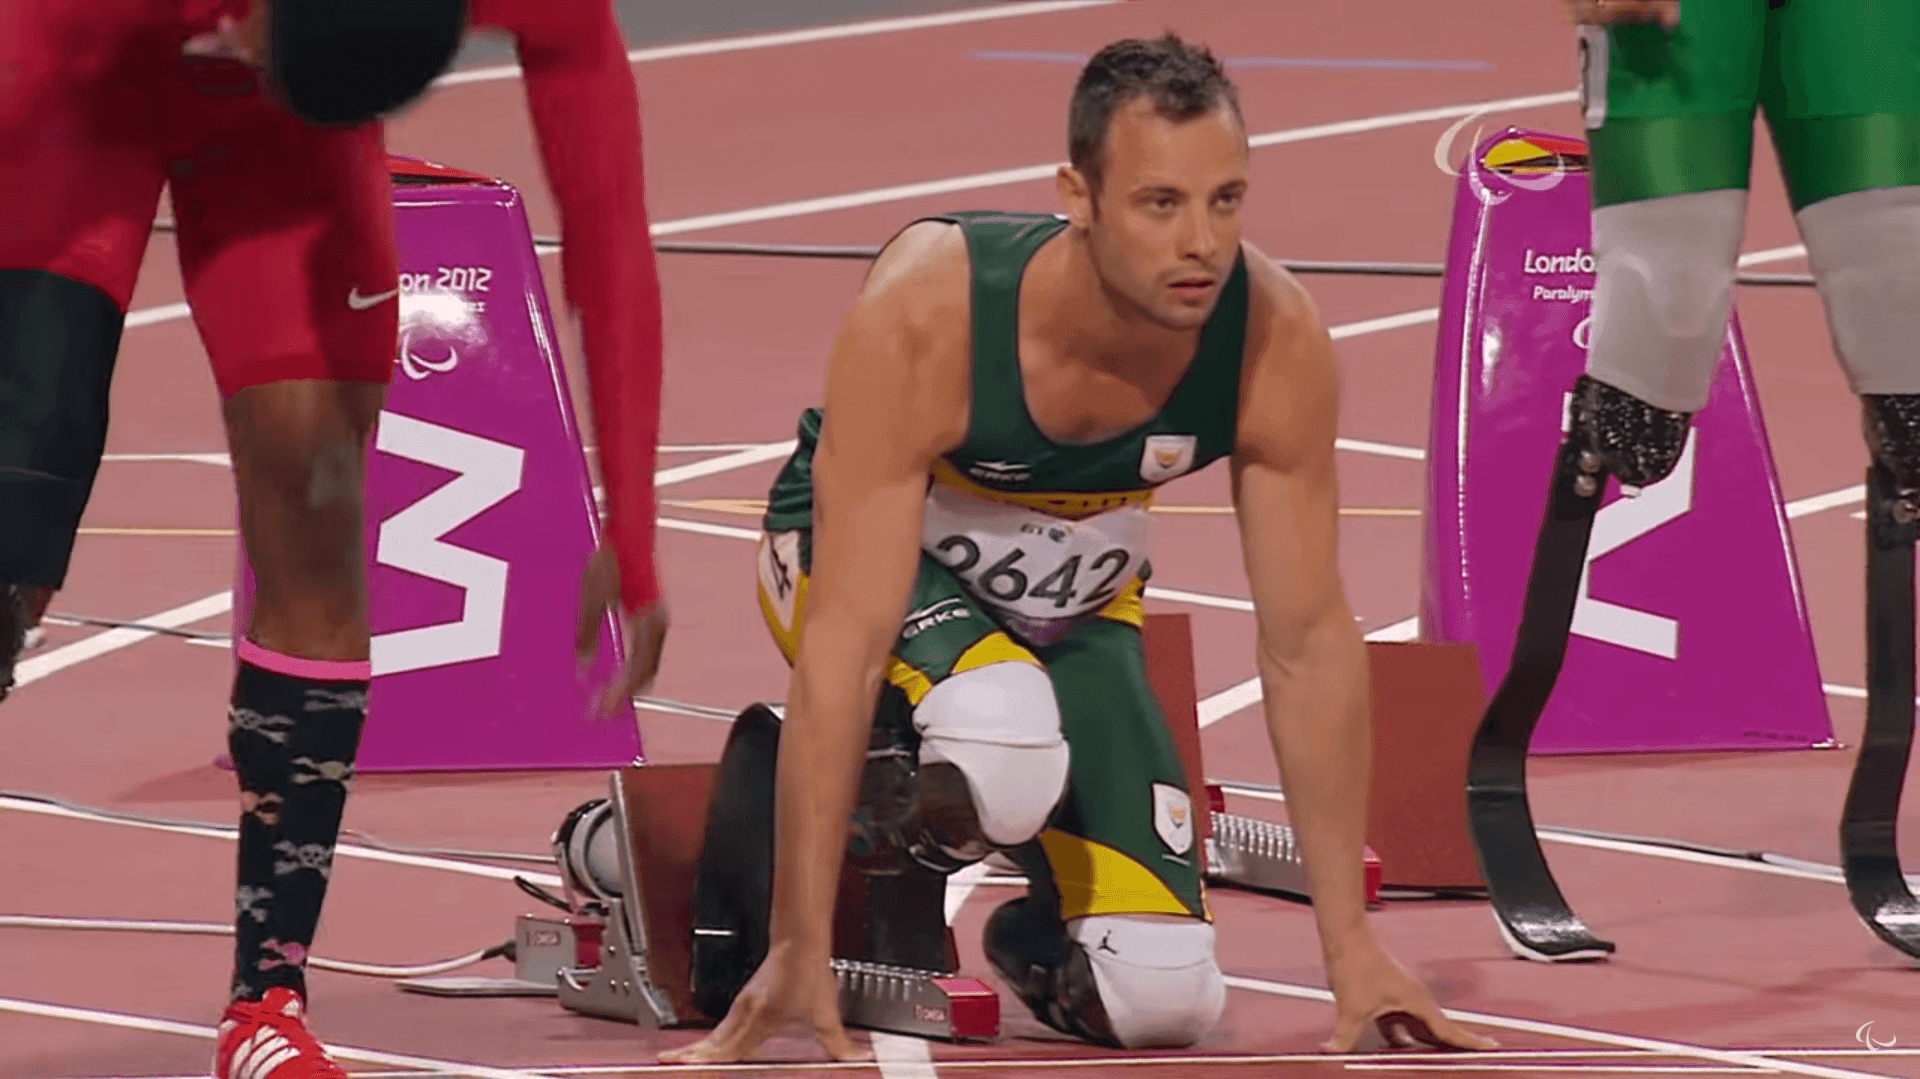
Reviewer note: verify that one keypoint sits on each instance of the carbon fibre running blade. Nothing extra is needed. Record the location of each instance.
(1869, 852)
(1533, 916)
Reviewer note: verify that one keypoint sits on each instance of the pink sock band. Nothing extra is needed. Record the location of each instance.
(319, 670)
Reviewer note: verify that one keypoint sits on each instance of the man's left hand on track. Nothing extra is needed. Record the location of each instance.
(1369, 986)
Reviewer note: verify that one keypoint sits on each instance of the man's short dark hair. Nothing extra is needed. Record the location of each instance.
(1183, 81)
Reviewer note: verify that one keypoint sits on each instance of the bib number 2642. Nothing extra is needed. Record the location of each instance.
(1008, 581)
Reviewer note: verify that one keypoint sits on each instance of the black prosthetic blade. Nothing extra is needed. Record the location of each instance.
(1869, 854)
(1533, 916)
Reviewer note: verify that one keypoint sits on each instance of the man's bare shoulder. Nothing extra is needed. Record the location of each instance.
(1290, 384)
(922, 277)
(1281, 315)
(906, 343)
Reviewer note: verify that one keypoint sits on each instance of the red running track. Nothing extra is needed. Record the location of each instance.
(1720, 968)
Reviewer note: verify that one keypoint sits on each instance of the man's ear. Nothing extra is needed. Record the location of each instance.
(1076, 196)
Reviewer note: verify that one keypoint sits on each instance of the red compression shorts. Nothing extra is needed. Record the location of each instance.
(285, 231)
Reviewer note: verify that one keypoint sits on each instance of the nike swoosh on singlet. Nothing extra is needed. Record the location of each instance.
(361, 303)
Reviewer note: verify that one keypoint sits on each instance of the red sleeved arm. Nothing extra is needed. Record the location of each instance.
(586, 118)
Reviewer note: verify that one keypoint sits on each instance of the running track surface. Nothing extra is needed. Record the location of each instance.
(1720, 969)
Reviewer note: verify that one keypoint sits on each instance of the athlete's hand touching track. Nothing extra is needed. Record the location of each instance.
(1370, 987)
(786, 989)
(1626, 12)
(644, 633)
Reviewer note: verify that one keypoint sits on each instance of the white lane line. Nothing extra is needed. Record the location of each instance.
(1771, 254)
(837, 32)
(1199, 599)
(349, 850)
(1556, 835)
(1584, 1034)
(1387, 322)
(1845, 496)
(703, 528)
(195, 1030)
(741, 458)
(149, 316)
(226, 460)
(221, 459)
(901, 1057)
(67, 655)
(1380, 449)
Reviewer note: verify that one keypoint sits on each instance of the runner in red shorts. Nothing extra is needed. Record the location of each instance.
(283, 206)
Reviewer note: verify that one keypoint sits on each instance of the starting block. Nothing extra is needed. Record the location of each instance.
(642, 970)
(626, 950)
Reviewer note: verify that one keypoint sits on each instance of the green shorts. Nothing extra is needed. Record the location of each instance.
(1839, 81)
(1123, 840)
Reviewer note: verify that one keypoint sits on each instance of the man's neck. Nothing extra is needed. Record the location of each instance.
(1085, 322)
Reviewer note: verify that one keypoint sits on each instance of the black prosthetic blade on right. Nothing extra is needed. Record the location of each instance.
(1533, 916)
(733, 885)
(1870, 856)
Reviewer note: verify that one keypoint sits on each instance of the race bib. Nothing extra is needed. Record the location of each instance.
(1038, 572)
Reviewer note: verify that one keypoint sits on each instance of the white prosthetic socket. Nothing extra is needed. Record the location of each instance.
(1662, 293)
(1000, 726)
(1864, 250)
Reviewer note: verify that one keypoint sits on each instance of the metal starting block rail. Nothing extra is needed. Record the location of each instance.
(1262, 855)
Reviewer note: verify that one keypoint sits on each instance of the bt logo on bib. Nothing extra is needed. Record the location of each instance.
(1166, 456)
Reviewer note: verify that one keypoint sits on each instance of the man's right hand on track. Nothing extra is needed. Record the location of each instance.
(787, 988)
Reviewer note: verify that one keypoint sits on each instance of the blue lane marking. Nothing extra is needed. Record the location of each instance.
(1264, 61)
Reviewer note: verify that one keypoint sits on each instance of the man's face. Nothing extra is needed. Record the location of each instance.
(1168, 228)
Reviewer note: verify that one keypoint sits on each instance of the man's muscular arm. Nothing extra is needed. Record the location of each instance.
(1310, 654)
(888, 413)
(896, 398)
(585, 108)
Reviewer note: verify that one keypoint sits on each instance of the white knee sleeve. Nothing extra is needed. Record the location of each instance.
(1158, 980)
(1864, 250)
(1000, 725)
(1662, 292)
